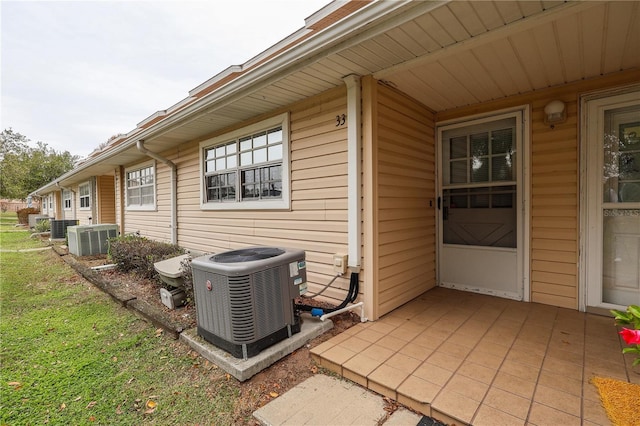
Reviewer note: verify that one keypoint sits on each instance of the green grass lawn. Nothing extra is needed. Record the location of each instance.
(8, 217)
(13, 237)
(8, 221)
(70, 355)
(19, 239)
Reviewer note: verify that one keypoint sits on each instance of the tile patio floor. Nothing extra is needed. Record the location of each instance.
(466, 358)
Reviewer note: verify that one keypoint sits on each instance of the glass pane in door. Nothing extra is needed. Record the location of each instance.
(479, 190)
(621, 207)
(622, 156)
(621, 250)
(480, 216)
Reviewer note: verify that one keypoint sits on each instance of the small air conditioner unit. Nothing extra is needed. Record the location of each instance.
(245, 298)
(59, 228)
(35, 218)
(87, 240)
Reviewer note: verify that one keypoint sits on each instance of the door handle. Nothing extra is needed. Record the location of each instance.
(445, 210)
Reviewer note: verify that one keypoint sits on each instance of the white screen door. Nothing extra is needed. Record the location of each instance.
(480, 222)
(612, 255)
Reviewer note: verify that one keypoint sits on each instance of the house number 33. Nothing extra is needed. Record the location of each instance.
(341, 119)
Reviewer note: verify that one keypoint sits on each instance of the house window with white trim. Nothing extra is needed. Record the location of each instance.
(141, 187)
(247, 169)
(66, 199)
(45, 204)
(84, 194)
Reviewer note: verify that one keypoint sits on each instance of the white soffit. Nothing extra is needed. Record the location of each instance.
(483, 51)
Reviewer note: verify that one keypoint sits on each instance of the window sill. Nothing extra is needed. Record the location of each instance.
(141, 208)
(248, 205)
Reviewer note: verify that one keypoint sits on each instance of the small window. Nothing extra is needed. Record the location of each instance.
(84, 194)
(67, 199)
(141, 188)
(247, 169)
(485, 157)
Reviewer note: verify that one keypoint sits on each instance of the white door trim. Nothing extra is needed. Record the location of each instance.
(590, 259)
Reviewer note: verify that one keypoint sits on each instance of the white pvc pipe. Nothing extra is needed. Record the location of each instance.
(104, 267)
(345, 309)
(354, 170)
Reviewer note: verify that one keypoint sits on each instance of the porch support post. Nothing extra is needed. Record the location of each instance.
(121, 188)
(93, 187)
(370, 201)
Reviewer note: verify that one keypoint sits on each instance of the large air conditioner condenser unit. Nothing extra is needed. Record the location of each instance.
(59, 228)
(88, 240)
(245, 298)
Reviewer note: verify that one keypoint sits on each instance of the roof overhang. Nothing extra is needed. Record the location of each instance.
(444, 54)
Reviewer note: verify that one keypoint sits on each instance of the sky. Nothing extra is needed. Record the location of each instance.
(75, 73)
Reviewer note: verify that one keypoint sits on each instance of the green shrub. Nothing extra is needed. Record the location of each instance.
(187, 278)
(132, 253)
(43, 225)
(23, 215)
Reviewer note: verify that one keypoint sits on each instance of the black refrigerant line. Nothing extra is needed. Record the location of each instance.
(352, 295)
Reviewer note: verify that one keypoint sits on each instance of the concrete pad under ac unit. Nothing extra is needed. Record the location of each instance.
(244, 369)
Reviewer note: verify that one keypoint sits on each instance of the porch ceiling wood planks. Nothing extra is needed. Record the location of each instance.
(529, 48)
(622, 35)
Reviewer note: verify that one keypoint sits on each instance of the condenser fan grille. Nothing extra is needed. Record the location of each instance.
(247, 255)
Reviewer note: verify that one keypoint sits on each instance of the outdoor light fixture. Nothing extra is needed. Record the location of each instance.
(555, 112)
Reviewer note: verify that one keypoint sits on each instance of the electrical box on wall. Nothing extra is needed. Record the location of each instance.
(340, 263)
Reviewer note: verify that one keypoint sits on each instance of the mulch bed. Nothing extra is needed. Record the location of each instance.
(139, 294)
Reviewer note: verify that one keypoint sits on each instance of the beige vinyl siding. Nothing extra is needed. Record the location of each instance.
(119, 202)
(554, 186)
(405, 172)
(317, 220)
(106, 206)
(154, 224)
(554, 205)
(57, 204)
(83, 215)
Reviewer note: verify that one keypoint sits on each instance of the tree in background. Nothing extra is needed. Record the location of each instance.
(24, 168)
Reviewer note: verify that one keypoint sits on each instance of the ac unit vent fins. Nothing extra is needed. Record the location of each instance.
(59, 227)
(241, 308)
(268, 294)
